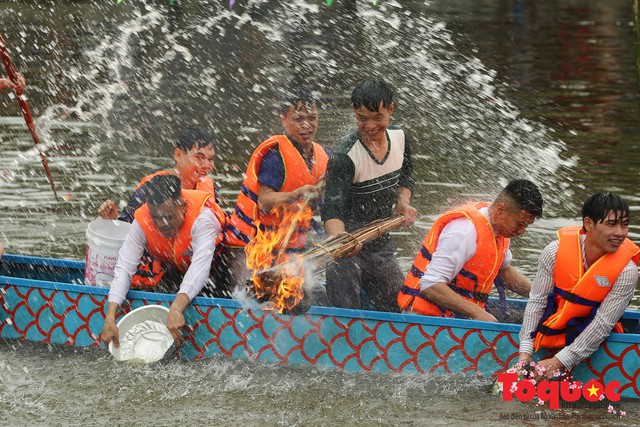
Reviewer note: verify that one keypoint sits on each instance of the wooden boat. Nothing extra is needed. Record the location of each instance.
(43, 299)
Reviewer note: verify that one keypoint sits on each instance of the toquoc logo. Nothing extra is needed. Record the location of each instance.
(556, 391)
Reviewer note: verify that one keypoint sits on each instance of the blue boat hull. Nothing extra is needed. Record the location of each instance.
(44, 300)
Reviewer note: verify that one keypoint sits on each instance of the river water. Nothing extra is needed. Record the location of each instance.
(490, 90)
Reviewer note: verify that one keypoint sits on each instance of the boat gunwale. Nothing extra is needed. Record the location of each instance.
(314, 310)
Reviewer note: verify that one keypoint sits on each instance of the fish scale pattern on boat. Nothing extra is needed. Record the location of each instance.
(348, 344)
(337, 342)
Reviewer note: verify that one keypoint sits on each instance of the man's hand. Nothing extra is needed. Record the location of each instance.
(175, 320)
(310, 191)
(404, 208)
(9, 84)
(175, 323)
(409, 213)
(110, 332)
(108, 210)
(552, 366)
(357, 248)
(484, 316)
(525, 359)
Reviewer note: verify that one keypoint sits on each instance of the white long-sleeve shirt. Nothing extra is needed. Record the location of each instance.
(204, 232)
(456, 245)
(600, 327)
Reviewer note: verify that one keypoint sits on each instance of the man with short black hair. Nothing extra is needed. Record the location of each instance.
(369, 177)
(466, 250)
(193, 153)
(194, 158)
(182, 229)
(282, 171)
(585, 281)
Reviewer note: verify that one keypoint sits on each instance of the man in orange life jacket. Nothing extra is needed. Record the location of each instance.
(282, 170)
(194, 160)
(466, 250)
(179, 227)
(585, 281)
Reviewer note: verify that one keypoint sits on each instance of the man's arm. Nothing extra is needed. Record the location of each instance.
(456, 245)
(204, 232)
(128, 260)
(137, 199)
(268, 197)
(442, 295)
(406, 179)
(206, 229)
(405, 185)
(515, 281)
(404, 208)
(127, 264)
(340, 172)
(110, 330)
(271, 177)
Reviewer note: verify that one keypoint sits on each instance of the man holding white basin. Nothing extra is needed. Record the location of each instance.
(180, 227)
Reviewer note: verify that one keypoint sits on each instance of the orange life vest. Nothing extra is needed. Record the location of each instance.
(205, 183)
(474, 281)
(177, 251)
(241, 228)
(150, 270)
(577, 294)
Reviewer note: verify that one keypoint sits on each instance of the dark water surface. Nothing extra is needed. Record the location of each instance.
(490, 90)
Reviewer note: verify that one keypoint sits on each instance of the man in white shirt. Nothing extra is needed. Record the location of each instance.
(585, 281)
(464, 252)
(180, 227)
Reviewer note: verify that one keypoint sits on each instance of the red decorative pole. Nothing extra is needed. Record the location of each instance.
(26, 113)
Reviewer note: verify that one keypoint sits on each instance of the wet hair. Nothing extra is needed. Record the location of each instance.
(162, 188)
(599, 205)
(371, 93)
(295, 95)
(193, 136)
(522, 194)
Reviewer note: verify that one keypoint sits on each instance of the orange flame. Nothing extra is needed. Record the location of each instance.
(280, 286)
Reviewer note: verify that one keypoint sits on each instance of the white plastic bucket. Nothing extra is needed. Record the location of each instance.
(104, 239)
(143, 335)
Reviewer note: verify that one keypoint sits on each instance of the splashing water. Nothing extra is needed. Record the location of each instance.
(154, 70)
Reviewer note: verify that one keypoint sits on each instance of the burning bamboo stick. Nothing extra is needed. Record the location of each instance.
(281, 285)
(335, 247)
(340, 246)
